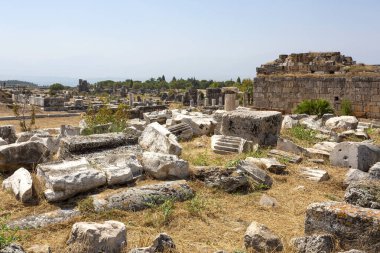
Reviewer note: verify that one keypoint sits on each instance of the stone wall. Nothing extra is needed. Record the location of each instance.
(284, 93)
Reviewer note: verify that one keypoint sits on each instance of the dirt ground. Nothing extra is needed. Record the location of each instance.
(212, 221)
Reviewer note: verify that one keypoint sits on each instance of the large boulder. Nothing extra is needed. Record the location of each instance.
(8, 133)
(21, 184)
(327, 146)
(157, 138)
(164, 166)
(142, 197)
(342, 123)
(354, 227)
(76, 145)
(364, 193)
(162, 243)
(354, 175)
(201, 125)
(270, 164)
(258, 175)
(26, 154)
(260, 127)
(314, 244)
(259, 238)
(355, 155)
(227, 179)
(91, 237)
(292, 120)
(65, 179)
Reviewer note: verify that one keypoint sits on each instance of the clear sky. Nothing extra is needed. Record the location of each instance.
(47, 40)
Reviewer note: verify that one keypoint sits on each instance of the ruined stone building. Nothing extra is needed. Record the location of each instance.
(83, 86)
(284, 83)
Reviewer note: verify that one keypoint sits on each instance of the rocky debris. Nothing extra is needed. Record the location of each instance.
(217, 116)
(374, 171)
(342, 123)
(183, 131)
(8, 133)
(256, 174)
(3, 142)
(314, 174)
(67, 130)
(327, 146)
(137, 123)
(354, 227)
(73, 145)
(142, 197)
(44, 219)
(312, 152)
(289, 146)
(314, 244)
(269, 164)
(268, 201)
(25, 154)
(12, 248)
(65, 179)
(364, 193)
(51, 142)
(201, 125)
(91, 237)
(311, 122)
(164, 166)
(352, 251)
(39, 249)
(279, 154)
(120, 168)
(259, 238)
(21, 184)
(157, 116)
(355, 155)
(290, 121)
(319, 161)
(132, 134)
(222, 144)
(156, 138)
(354, 175)
(162, 243)
(227, 179)
(260, 127)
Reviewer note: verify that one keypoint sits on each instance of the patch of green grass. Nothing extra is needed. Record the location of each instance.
(196, 206)
(201, 160)
(301, 135)
(7, 235)
(86, 206)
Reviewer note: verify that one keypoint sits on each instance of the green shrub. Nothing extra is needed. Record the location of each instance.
(346, 107)
(314, 107)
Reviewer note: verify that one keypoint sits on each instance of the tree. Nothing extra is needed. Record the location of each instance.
(55, 87)
(238, 80)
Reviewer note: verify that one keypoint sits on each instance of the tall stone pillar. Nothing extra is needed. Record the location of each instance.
(191, 103)
(237, 103)
(230, 101)
(213, 102)
(199, 99)
(206, 102)
(220, 100)
(245, 99)
(130, 99)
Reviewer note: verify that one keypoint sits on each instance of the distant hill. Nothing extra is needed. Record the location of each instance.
(13, 83)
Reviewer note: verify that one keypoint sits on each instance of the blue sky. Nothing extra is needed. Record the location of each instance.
(47, 41)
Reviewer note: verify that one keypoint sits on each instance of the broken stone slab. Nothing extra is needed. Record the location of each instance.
(314, 244)
(374, 171)
(26, 154)
(137, 123)
(279, 154)
(355, 155)
(289, 146)
(315, 174)
(319, 161)
(260, 127)
(312, 122)
(67, 130)
(312, 152)
(327, 146)
(21, 184)
(157, 116)
(44, 219)
(120, 168)
(259, 176)
(222, 144)
(162, 243)
(354, 227)
(227, 179)
(183, 131)
(90, 237)
(364, 193)
(156, 138)
(342, 123)
(270, 164)
(201, 125)
(8, 133)
(354, 175)
(290, 121)
(74, 145)
(51, 142)
(268, 201)
(3, 142)
(64, 179)
(217, 116)
(164, 166)
(142, 197)
(132, 134)
(259, 238)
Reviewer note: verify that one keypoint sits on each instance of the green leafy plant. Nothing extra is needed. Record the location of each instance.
(232, 163)
(7, 235)
(346, 107)
(314, 107)
(196, 205)
(167, 209)
(201, 160)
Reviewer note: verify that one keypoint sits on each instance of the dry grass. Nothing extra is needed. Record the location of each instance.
(218, 221)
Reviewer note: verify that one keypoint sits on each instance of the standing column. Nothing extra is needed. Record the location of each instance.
(230, 101)
(206, 101)
(213, 102)
(130, 99)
